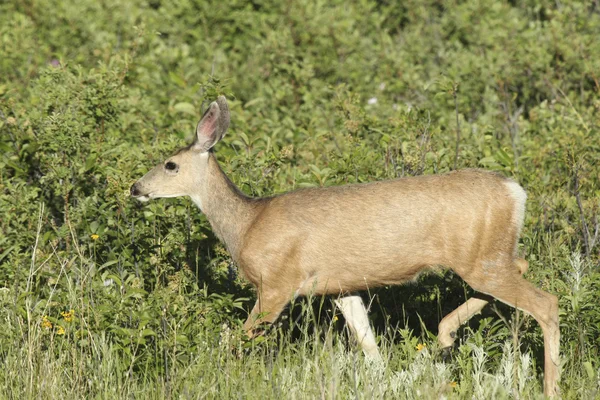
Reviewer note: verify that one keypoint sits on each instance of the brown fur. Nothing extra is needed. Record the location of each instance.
(341, 239)
(362, 236)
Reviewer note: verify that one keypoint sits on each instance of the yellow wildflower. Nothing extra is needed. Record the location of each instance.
(95, 237)
(68, 315)
(335, 318)
(45, 323)
(420, 346)
(453, 384)
(60, 330)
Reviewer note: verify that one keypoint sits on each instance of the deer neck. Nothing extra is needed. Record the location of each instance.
(227, 209)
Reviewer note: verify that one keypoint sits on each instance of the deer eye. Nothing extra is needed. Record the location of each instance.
(170, 166)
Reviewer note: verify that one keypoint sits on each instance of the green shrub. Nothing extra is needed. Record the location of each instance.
(122, 299)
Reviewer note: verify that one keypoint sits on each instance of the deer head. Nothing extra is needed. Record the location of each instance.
(178, 174)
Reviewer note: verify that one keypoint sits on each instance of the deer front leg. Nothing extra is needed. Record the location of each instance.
(266, 310)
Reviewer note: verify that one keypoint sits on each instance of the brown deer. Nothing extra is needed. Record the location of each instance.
(339, 240)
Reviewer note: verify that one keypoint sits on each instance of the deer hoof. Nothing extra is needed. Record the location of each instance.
(446, 354)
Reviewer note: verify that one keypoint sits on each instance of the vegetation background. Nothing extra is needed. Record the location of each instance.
(102, 297)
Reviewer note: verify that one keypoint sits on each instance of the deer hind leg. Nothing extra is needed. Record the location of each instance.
(357, 319)
(511, 288)
(451, 322)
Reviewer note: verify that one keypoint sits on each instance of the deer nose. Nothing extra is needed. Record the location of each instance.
(134, 190)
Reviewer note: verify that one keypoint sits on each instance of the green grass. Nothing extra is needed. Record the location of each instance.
(45, 361)
(306, 355)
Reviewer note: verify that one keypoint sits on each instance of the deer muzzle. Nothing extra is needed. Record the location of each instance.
(136, 192)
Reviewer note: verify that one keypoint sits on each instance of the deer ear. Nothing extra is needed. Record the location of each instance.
(224, 116)
(207, 131)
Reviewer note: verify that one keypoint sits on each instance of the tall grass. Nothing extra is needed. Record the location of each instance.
(64, 356)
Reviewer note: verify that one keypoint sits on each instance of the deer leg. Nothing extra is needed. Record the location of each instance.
(451, 322)
(266, 310)
(511, 288)
(357, 319)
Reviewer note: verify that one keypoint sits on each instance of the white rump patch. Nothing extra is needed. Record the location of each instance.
(519, 196)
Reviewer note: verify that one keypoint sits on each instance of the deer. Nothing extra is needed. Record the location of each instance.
(340, 240)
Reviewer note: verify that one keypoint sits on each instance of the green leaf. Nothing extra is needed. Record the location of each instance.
(186, 108)
(504, 158)
(94, 226)
(489, 162)
(108, 264)
(254, 102)
(7, 252)
(589, 369)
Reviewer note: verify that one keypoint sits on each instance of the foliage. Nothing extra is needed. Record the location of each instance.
(122, 299)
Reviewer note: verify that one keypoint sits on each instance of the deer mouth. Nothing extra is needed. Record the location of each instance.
(142, 198)
(137, 194)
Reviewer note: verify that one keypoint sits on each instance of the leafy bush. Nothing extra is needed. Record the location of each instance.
(121, 298)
